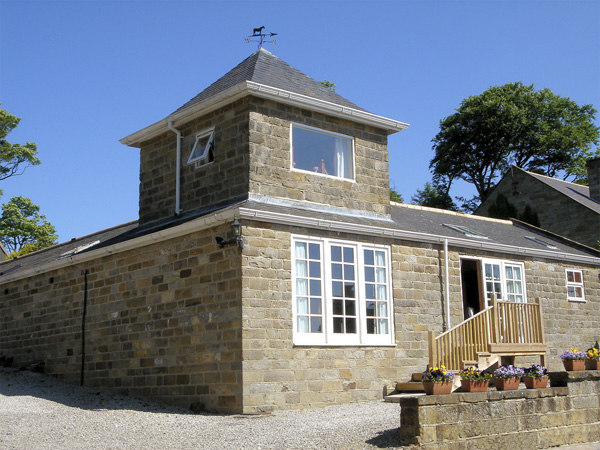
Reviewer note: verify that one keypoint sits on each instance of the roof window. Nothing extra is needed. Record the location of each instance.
(544, 243)
(466, 231)
(79, 249)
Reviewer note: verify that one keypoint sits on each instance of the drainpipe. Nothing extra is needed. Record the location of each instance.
(177, 168)
(446, 284)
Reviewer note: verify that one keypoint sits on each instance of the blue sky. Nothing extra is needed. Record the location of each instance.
(84, 74)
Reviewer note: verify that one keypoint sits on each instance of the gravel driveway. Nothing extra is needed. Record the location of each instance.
(39, 412)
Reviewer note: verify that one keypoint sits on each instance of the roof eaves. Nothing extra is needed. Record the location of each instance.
(260, 90)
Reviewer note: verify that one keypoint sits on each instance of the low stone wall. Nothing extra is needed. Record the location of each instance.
(566, 413)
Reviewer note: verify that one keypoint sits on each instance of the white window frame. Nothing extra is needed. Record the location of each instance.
(199, 157)
(328, 337)
(503, 282)
(351, 178)
(575, 284)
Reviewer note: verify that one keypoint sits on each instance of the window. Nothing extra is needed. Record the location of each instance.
(575, 285)
(466, 231)
(203, 149)
(342, 293)
(322, 152)
(482, 278)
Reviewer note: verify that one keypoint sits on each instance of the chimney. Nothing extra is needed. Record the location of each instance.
(593, 169)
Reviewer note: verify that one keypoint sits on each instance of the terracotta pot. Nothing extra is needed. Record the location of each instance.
(474, 385)
(535, 383)
(507, 384)
(574, 364)
(593, 364)
(437, 387)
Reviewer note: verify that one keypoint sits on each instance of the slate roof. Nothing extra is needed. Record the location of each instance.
(265, 68)
(423, 222)
(576, 192)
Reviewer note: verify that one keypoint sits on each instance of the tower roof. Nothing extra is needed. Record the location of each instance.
(265, 68)
(264, 75)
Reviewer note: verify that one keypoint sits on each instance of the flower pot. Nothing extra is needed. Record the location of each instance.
(437, 387)
(507, 384)
(593, 364)
(574, 364)
(474, 385)
(535, 383)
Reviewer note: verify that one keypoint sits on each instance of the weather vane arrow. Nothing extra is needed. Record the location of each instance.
(259, 33)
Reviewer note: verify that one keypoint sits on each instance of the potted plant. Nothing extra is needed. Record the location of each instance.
(437, 380)
(573, 359)
(474, 380)
(593, 358)
(535, 377)
(507, 377)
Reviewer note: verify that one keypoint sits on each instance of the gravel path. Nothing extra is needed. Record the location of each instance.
(40, 412)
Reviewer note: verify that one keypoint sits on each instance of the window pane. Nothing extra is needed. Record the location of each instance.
(336, 253)
(383, 326)
(369, 257)
(350, 308)
(577, 276)
(370, 291)
(315, 306)
(369, 274)
(351, 325)
(337, 289)
(348, 272)
(303, 324)
(380, 261)
(314, 251)
(370, 308)
(348, 254)
(301, 269)
(382, 309)
(570, 276)
(315, 287)
(301, 250)
(380, 275)
(370, 326)
(338, 325)
(382, 292)
(315, 269)
(338, 307)
(301, 287)
(316, 325)
(302, 305)
(321, 152)
(349, 290)
(336, 271)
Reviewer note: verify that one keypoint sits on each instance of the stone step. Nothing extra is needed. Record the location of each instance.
(410, 386)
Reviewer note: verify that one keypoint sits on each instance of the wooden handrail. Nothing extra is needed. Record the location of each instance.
(505, 327)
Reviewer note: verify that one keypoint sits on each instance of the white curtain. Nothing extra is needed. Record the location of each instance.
(341, 158)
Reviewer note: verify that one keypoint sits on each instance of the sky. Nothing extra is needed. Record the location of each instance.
(83, 74)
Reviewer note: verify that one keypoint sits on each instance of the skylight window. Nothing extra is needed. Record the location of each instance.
(466, 231)
(544, 243)
(79, 249)
(203, 149)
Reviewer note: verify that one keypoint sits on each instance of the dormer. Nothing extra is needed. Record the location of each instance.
(264, 130)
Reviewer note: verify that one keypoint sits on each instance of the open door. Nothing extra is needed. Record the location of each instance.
(470, 276)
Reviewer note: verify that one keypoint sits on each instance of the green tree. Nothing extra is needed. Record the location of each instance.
(509, 125)
(14, 158)
(23, 229)
(395, 196)
(434, 196)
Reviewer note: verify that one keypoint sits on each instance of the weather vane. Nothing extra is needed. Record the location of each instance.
(258, 33)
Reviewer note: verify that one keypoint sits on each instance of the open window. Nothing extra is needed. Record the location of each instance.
(322, 152)
(203, 149)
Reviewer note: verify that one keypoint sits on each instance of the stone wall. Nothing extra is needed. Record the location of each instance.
(162, 322)
(567, 413)
(270, 164)
(219, 183)
(556, 212)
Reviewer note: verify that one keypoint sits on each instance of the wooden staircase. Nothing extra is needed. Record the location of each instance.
(496, 335)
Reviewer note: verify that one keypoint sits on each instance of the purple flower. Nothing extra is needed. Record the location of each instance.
(508, 371)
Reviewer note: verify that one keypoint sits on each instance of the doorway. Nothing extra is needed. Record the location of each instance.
(470, 277)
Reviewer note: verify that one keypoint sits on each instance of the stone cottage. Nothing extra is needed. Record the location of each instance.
(567, 209)
(269, 270)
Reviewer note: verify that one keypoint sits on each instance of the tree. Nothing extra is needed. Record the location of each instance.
(395, 196)
(509, 125)
(14, 158)
(23, 228)
(434, 196)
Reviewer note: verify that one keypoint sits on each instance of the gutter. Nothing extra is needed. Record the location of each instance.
(177, 168)
(246, 88)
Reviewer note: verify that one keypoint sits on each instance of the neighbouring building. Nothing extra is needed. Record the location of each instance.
(269, 270)
(567, 209)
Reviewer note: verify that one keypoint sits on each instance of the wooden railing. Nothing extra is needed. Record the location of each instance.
(506, 328)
